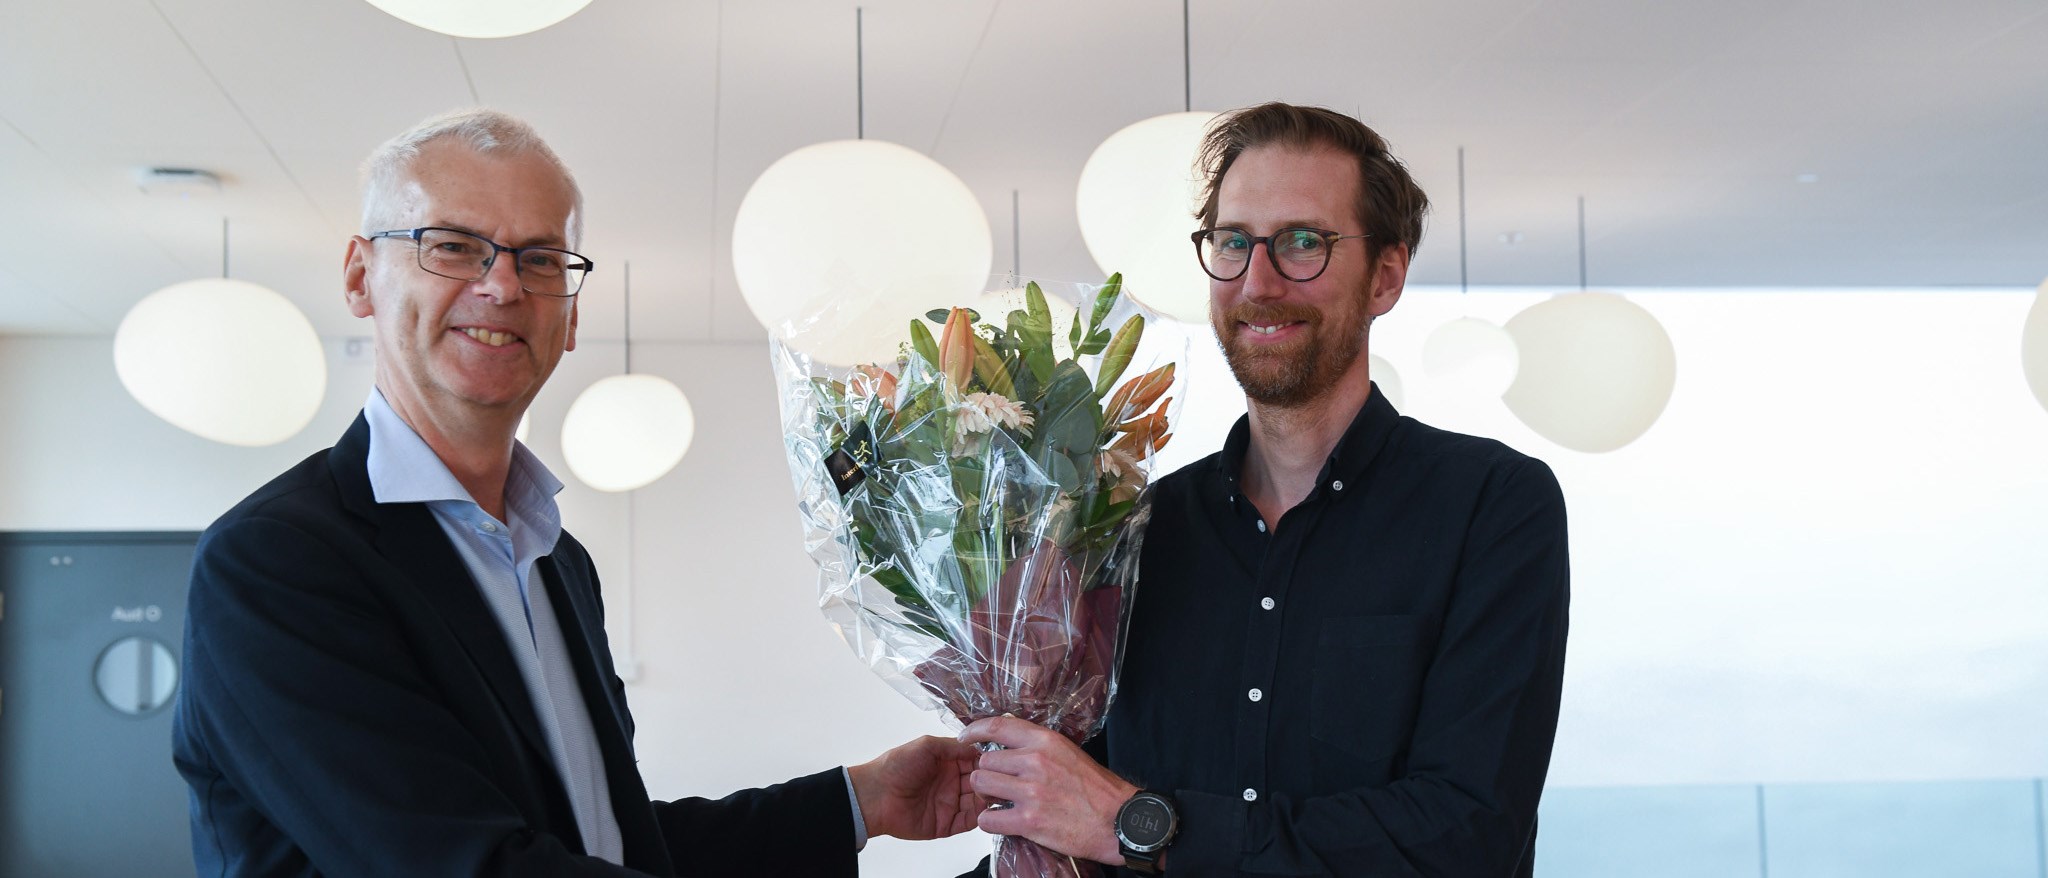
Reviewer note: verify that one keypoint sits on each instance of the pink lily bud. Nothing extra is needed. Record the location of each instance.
(881, 381)
(956, 348)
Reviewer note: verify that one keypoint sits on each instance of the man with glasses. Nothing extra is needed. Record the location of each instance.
(395, 658)
(1347, 647)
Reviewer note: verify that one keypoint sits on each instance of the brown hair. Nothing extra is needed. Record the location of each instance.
(1390, 204)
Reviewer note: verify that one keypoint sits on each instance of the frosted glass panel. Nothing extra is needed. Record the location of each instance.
(1674, 832)
(1983, 829)
(1980, 829)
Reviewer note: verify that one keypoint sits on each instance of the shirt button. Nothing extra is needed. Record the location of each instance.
(490, 527)
(1265, 603)
(1251, 795)
(1337, 485)
(1262, 525)
(1255, 695)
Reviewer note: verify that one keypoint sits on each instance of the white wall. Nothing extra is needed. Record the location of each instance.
(1826, 562)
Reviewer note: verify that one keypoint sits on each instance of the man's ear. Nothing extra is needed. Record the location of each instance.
(1389, 277)
(355, 271)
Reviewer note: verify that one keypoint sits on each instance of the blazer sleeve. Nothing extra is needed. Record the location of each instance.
(1482, 737)
(801, 827)
(305, 714)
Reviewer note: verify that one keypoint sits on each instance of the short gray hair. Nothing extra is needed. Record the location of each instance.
(486, 131)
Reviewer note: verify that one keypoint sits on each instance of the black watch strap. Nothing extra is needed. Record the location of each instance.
(1143, 864)
(1145, 826)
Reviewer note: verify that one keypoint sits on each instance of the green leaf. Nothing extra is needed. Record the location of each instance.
(922, 342)
(979, 548)
(1060, 469)
(900, 586)
(1033, 330)
(922, 623)
(1118, 357)
(990, 368)
(1069, 416)
(1024, 380)
(1113, 514)
(1105, 300)
(1034, 301)
(1094, 343)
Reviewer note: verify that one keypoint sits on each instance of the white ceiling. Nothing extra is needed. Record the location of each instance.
(1686, 126)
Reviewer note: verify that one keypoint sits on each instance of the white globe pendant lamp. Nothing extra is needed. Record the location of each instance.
(1473, 355)
(2034, 346)
(1387, 380)
(838, 245)
(627, 431)
(223, 359)
(1596, 370)
(1136, 201)
(481, 19)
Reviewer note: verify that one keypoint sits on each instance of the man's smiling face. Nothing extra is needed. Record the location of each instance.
(467, 350)
(1288, 342)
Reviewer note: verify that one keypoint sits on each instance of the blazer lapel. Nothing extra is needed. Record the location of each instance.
(410, 538)
(573, 596)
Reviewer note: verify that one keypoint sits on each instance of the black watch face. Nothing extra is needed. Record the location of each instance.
(1145, 822)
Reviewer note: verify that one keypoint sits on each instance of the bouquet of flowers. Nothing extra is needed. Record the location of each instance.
(975, 506)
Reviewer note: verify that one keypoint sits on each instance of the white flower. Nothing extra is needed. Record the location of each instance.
(992, 409)
(1118, 464)
(969, 420)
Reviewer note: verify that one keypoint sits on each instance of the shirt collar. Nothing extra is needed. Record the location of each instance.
(404, 469)
(1360, 443)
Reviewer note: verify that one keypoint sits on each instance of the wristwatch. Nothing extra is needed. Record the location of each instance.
(1145, 825)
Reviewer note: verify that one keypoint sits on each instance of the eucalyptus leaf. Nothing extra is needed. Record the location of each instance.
(1069, 417)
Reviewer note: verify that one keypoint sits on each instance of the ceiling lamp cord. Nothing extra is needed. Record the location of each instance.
(1462, 287)
(1187, 63)
(632, 599)
(860, 85)
(629, 316)
(1582, 243)
(717, 104)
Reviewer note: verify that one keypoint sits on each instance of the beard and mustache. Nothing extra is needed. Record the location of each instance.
(1295, 373)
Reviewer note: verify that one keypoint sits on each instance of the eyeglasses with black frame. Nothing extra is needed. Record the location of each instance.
(464, 256)
(1298, 254)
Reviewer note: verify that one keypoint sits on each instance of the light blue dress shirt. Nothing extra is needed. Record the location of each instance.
(502, 557)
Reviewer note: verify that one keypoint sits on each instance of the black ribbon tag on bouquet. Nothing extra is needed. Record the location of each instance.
(849, 464)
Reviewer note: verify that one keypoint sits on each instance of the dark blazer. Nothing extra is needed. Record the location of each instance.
(350, 707)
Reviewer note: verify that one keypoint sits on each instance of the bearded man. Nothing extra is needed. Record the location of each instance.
(1348, 643)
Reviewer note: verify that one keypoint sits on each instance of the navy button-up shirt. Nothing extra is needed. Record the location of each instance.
(1368, 686)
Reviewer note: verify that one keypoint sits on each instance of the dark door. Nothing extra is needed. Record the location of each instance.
(91, 632)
